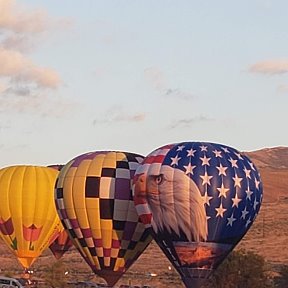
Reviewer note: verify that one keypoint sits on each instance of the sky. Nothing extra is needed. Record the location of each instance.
(80, 76)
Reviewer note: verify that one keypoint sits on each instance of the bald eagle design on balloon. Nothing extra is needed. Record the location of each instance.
(173, 188)
(199, 199)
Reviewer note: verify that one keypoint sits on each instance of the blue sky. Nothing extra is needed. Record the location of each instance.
(135, 75)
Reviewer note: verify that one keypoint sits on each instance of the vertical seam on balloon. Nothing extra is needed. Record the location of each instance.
(51, 180)
(190, 196)
(71, 194)
(87, 214)
(172, 192)
(22, 207)
(36, 173)
(8, 192)
(99, 213)
(114, 153)
(42, 170)
(126, 216)
(74, 201)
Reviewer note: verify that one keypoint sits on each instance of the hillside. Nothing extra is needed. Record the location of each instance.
(273, 158)
(272, 164)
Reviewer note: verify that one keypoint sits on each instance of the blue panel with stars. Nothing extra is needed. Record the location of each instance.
(229, 183)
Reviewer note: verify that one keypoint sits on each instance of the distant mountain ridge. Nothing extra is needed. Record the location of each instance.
(272, 164)
(276, 157)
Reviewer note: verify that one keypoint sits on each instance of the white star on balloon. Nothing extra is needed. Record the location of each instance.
(249, 193)
(222, 169)
(206, 199)
(233, 162)
(237, 181)
(217, 153)
(252, 166)
(255, 204)
(247, 172)
(248, 222)
(244, 213)
(236, 200)
(175, 160)
(231, 220)
(205, 160)
(190, 153)
(225, 149)
(180, 148)
(222, 191)
(220, 211)
(239, 156)
(203, 148)
(206, 178)
(189, 169)
(257, 183)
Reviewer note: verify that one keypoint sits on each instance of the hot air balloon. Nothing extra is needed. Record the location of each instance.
(56, 166)
(199, 199)
(28, 218)
(63, 242)
(94, 201)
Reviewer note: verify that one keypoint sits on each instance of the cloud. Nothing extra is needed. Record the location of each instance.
(20, 74)
(156, 78)
(21, 100)
(130, 118)
(116, 115)
(5, 126)
(18, 68)
(179, 94)
(19, 91)
(18, 43)
(272, 67)
(25, 84)
(283, 88)
(186, 122)
(3, 87)
(20, 28)
(17, 19)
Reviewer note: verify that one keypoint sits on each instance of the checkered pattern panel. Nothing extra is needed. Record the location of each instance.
(106, 208)
(92, 187)
(106, 231)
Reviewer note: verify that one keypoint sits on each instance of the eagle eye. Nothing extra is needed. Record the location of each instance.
(159, 179)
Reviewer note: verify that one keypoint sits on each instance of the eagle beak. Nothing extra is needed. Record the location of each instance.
(140, 185)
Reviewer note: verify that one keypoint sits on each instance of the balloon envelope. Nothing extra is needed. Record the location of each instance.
(61, 244)
(94, 200)
(56, 166)
(28, 218)
(199, 199)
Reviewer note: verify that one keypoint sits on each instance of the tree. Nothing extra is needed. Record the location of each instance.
(282, 279)
(241, 269)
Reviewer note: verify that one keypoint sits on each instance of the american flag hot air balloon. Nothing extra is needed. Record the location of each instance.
(199, 199)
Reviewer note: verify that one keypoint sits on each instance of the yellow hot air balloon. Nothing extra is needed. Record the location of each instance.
(94, 200)
(29, 222)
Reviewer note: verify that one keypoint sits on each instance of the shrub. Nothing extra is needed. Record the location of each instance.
(282, 280)
(241, 269)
